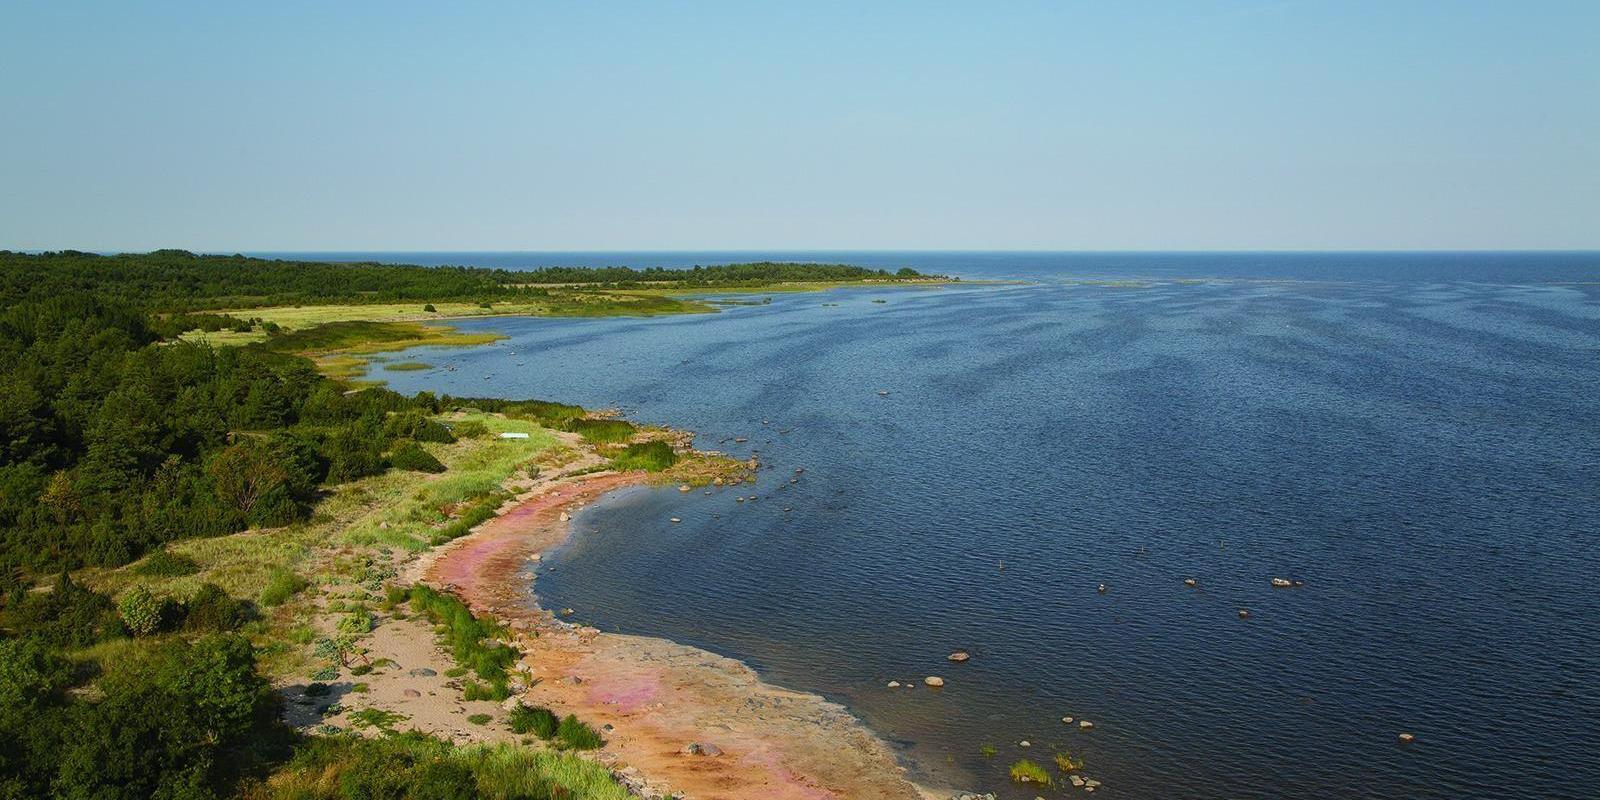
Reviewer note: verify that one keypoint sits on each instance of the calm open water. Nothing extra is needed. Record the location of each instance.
(1415, 436)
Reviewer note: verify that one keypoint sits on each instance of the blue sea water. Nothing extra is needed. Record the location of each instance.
(1414, 436)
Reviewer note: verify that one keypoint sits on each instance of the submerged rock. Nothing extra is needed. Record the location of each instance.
(959, 656)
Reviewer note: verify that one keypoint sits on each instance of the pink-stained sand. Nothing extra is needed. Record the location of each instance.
(659, 696)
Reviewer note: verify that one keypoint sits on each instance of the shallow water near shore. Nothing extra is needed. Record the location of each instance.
(1416, 437)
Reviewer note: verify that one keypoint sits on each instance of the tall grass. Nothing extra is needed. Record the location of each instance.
(648, 456)
(575, 734)
(602, 431)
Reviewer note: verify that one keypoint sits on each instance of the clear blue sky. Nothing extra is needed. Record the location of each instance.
(700, 125)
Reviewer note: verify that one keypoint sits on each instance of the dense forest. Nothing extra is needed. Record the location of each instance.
(177, 280)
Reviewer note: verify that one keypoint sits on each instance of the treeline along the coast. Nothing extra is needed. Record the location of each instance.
(176, 280)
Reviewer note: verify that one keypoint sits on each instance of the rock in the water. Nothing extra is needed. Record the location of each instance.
(1067, 720)
(1407, 738)
(1282, 583)
(675, 519)
(1084, 724)
(1024, 743)
(1244, 613)
(565, 517)
(1077, 781)
(685, 488)
(1091, 783)
(894, 684)
(933, 680)
(959, 656)
(1102, 588)
(1190, 582)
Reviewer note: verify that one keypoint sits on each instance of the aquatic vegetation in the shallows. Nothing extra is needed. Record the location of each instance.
(1025, 771)
(1066, 763)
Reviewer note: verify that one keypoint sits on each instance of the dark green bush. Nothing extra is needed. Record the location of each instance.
(471, 641)
(418, 426)
(213, 610)
(410, 456)
(67, 616)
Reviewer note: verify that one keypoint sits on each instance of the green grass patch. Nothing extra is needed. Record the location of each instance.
(479, 719)
(602, 431)
(282, 584)
(407, 366)
(532, 719)
(649, 456)
(575, 734)
(473, 642)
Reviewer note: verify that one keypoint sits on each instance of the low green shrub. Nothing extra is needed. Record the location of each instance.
(479, 719)
(142, 612)
(162, 564)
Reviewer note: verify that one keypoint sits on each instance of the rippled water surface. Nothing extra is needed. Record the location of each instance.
(1416, 437)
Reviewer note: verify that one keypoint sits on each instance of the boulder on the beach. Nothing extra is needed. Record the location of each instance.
(565, 517)
(412, 693)
(422, 672)
(959, 656)
(701, 749)
(933, 680)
